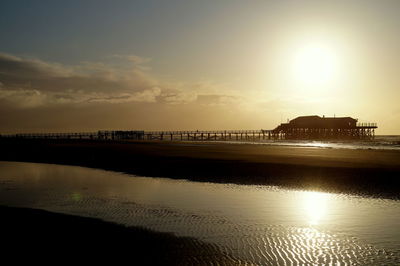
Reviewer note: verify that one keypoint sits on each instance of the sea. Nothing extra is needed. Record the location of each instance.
(380, 142)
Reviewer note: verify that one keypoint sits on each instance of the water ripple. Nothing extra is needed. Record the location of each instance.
(254, 244)
(233, 219)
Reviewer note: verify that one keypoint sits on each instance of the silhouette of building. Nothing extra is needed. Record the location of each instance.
(316, 127)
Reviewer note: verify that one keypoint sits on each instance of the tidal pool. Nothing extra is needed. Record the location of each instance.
(257, 224)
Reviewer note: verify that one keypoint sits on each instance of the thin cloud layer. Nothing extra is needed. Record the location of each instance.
(28, 83)
(215, 99)
(33, 82)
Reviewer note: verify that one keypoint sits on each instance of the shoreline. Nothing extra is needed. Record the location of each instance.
(373, 173)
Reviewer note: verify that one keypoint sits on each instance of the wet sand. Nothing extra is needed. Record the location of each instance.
(364, 172)
(30, 236)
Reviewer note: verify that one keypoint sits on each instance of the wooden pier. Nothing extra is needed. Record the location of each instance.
(222, 135)
(188, 135)
(306, 127)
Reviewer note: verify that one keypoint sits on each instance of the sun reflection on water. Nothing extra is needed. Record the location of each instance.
(315, 207)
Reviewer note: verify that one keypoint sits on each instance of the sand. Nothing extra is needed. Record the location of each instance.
(363, 172)
(39, 237)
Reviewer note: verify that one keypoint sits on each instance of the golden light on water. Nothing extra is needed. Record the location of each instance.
(315, 207)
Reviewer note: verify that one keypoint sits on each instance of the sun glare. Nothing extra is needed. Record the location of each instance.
(315, 206)
(315, 64)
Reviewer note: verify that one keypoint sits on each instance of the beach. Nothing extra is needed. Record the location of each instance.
(363, 172)
(49, 238)
(171, 221)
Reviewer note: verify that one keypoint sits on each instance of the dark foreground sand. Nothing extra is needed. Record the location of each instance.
(36, 237)
(366, 172)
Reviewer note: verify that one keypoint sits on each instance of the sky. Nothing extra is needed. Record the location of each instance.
(179, 65)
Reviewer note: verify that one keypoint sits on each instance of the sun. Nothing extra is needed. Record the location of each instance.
(315, 64)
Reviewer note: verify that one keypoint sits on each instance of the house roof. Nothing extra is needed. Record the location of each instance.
(318, 118)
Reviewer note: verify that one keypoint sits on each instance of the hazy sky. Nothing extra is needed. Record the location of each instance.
(89, 65)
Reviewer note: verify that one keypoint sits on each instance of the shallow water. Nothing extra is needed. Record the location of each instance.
(380, 142)
(257, 224)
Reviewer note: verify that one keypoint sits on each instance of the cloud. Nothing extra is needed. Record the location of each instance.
(213, 99)
(13, 68)
(135, 59)
(138, 60)
(23, 98)
(31, 82)
(148, 96)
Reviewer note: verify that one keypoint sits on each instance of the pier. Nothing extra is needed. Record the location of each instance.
(303, 127)
(188, 135)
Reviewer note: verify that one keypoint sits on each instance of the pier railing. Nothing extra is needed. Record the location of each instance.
(146, 135)
(371, 125)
